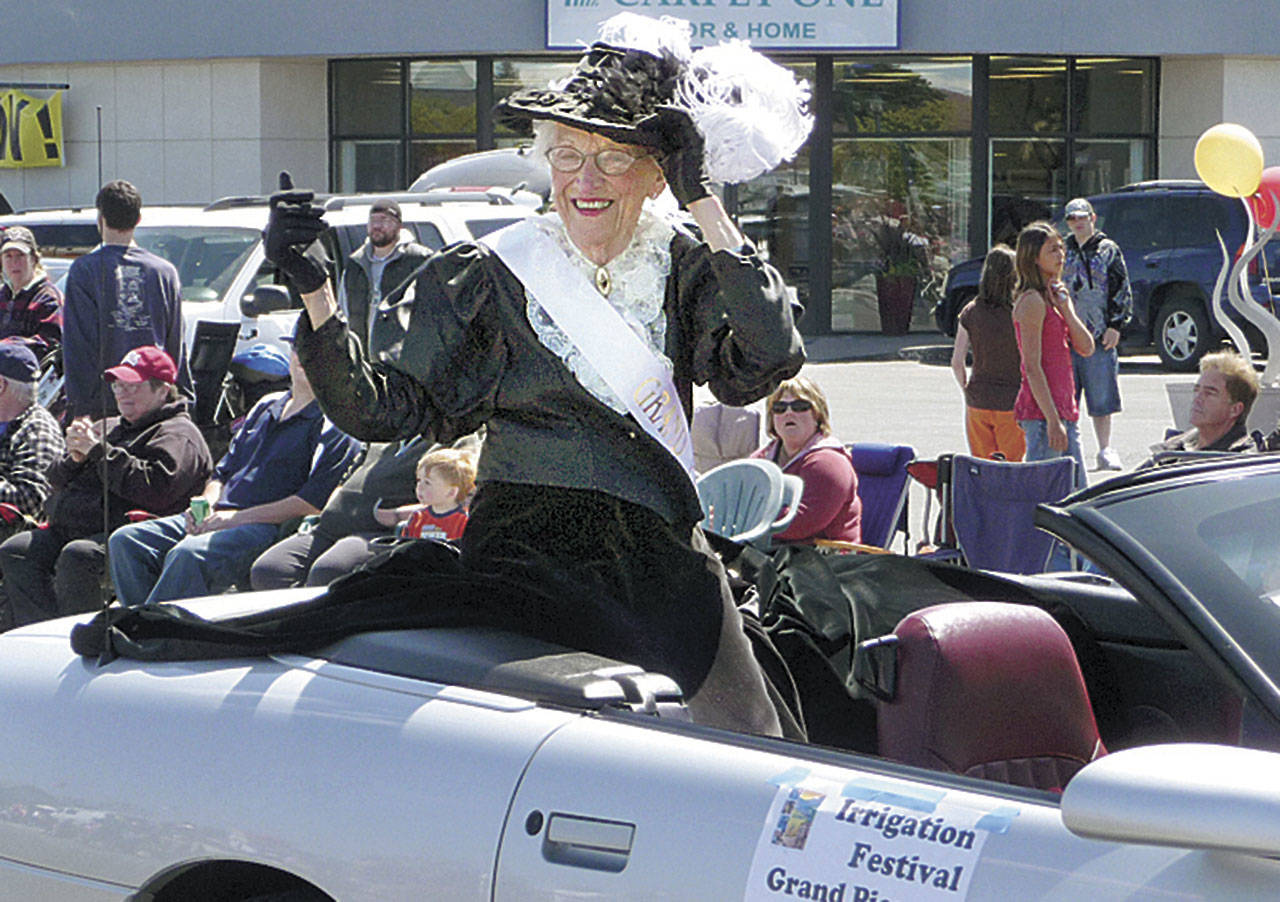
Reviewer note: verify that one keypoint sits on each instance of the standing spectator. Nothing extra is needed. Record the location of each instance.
(282, 464)
(30, 304)
(30, 439)
(155, 460)
(377, 275)
(1095, 273)
(118, 297)
(986, 325)
(1048, 329)
(800, 423)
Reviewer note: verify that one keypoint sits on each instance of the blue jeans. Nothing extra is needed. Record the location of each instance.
(1098, 379)
(1037, 432)
(157, 561)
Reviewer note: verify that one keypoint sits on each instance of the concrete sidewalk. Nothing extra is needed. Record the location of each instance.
(847, 347)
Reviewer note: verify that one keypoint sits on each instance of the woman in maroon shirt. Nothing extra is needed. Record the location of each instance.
(800, 423)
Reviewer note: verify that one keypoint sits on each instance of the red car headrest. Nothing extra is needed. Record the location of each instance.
(989, 690)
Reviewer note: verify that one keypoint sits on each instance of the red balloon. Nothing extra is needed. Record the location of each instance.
(1266, 201)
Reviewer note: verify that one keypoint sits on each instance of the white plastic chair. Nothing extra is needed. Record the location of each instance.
(748, 500)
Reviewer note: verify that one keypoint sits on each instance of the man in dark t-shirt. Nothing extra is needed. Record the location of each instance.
(118, 298)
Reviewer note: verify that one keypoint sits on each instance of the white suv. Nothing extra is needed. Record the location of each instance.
(218, 249)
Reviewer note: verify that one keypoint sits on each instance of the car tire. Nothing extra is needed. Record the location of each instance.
(1182, 333)
(293, 895)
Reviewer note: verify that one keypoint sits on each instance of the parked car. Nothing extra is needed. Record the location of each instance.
(218, 248)
(1168, 232)
(470, 764)
(513, 167)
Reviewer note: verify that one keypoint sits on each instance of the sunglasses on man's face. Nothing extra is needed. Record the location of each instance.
(799, 406)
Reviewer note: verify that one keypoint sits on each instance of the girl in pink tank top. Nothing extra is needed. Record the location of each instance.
(1047, 326)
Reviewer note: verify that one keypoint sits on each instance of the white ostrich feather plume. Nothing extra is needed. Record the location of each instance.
(654, 36)
(753, 113)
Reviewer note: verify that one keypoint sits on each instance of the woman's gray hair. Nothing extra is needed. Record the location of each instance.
(24, 391)
(544, 132)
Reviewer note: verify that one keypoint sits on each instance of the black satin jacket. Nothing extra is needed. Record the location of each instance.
(470, 357)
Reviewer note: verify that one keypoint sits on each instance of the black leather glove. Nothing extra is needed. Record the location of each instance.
(681, 153)
(291, 238)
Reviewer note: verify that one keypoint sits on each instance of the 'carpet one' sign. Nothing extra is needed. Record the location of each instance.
(789, 24)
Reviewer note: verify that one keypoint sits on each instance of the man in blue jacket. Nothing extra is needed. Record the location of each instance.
(282, 464)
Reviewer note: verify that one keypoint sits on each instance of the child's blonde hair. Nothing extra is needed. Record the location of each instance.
(458, 467)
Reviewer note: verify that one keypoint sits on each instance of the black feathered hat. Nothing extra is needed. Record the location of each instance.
(751, 112)
(611, 92)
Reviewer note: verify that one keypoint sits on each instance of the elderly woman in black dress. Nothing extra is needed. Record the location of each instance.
(576, 337)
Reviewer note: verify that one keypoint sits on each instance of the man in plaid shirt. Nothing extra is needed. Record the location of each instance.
(30, 439)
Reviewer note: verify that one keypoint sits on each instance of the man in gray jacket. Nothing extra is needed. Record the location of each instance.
(378, 274)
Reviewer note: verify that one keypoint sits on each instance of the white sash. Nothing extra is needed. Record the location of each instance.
(627, 365)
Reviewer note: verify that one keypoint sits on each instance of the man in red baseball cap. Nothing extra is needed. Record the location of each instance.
(156, 460)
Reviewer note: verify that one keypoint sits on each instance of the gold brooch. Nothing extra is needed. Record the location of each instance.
(603, 282)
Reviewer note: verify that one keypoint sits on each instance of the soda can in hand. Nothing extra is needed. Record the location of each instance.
(199, 509)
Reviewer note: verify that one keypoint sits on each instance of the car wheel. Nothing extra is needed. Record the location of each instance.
(1182, 333)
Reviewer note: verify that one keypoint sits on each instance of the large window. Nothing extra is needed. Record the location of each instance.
(901, 188)
(1062, 127)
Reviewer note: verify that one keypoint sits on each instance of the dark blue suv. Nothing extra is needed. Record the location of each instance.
(1168, 233)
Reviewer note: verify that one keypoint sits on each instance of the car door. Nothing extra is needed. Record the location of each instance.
(610, 810)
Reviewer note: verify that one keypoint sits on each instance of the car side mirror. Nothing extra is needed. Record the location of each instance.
(265, 299)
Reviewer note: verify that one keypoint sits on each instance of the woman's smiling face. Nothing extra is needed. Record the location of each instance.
(600, 211)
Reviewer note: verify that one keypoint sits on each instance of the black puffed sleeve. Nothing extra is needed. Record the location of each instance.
(737, 321)
(443, 383)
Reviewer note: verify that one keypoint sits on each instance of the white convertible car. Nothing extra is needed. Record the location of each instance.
(464, 764)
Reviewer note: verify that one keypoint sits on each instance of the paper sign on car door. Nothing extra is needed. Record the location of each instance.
(867, 840)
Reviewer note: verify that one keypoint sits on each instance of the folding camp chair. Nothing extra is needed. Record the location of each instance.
(882, 487)
(990, 505)
(748, 500)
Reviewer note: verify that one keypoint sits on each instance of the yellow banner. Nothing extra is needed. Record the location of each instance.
(30, 130)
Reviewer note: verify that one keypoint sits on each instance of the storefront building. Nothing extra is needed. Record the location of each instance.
(941, 126)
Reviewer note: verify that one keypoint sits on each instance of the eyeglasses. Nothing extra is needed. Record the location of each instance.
(610, 162)
(800, 405)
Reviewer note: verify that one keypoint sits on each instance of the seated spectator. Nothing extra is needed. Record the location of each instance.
(803, 445)
(154, 459)
(341, 539)
(281, 465)
(30, 304)
(30, 439)
(347, 534)
(446, 479)
(1220, 405)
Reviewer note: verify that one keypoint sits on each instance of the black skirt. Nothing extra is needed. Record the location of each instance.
(576, 567)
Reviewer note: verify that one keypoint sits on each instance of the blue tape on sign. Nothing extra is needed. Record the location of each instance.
(998, 821)
(914, 799)
(790, 777)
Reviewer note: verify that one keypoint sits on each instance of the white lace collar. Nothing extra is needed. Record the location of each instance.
(639, 283)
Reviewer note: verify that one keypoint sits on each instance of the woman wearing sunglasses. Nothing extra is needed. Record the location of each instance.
(800, 423)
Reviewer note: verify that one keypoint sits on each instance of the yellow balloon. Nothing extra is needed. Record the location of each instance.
(1229, 159)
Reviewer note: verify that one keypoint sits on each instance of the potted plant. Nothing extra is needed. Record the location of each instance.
(900, 262)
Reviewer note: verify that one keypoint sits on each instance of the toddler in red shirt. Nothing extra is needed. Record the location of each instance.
(446, 478)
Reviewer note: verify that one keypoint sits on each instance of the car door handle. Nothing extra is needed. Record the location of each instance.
(587, 842)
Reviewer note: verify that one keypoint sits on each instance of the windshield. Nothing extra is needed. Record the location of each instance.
(1219, 535)
(207, 257)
